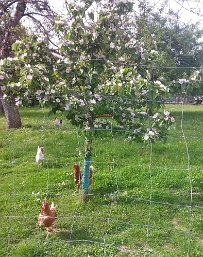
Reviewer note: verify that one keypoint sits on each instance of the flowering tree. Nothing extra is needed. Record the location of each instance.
(171, 50)
(11, 14)
(89, 77)
(189, 85)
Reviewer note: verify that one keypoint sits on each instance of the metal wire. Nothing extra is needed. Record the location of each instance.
(190, 185)
(150, 199)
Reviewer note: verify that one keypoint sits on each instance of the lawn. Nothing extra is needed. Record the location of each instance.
(146, 200)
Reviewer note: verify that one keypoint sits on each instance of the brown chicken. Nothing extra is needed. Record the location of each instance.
(47, 216)
(77, 176)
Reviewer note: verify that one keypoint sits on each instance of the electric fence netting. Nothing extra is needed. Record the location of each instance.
(145, 199)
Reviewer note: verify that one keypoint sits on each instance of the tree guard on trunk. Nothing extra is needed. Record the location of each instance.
(86, 171)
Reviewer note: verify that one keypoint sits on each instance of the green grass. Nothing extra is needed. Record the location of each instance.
(119, 219)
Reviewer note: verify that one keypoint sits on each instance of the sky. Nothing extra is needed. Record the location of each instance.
(188, 9)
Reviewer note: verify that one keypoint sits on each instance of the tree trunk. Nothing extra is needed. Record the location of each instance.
(11, 111)
(1, 107)
(13, 119)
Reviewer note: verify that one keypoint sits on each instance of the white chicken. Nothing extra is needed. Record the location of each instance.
(40, 154)
(57, 122)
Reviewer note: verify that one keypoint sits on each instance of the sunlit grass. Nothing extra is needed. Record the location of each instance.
(136, 207)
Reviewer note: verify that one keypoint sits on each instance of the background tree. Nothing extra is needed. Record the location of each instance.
(169, 48)
(11, 14)
(18, 32)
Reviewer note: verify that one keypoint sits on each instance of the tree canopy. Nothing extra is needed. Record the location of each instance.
(108, 61)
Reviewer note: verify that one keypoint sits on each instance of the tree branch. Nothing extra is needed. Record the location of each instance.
(6, 6)
(44, 29)
(29, 14)
(19, 13)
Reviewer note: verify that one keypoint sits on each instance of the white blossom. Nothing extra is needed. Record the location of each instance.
(77, 118)
(95, 35)
(18, 41)
(161, 85)
(67, 107)
(122, 59)
(132, 114)
(29, 77)
(103, 121)
(100, 87)
(108, 83)
(146, 137)
(182, 81)
(92, 101)
(156, 115)
(166, 113)
(154, 52)
(112, 45)
(121, 70)
(59, 22)
(81, 41)
(87, 127)
(24, 54)
(151, 133)
(88, 87)
(12, 59)
(46, 79)
(38, 92)
(82, 103)
(143, 113)
(195, 75)
(18, 103)
(172, 119)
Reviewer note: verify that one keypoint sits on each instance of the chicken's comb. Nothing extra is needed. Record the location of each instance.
(44, 204)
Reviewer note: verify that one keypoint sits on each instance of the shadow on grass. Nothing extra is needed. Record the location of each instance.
(76, 235)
